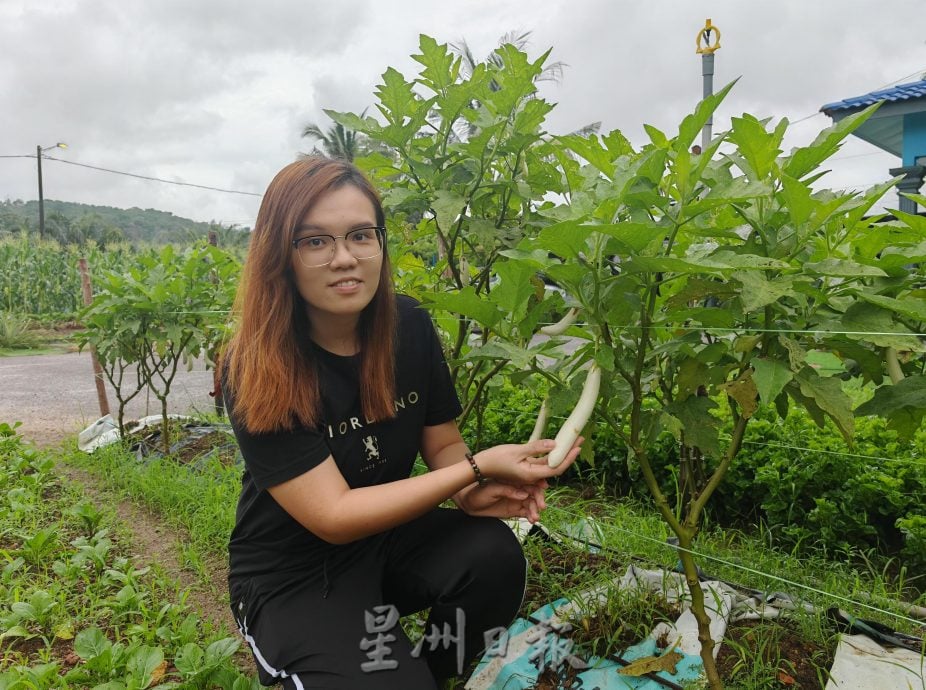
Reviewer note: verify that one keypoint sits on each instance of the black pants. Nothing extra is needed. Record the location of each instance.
(344, 633)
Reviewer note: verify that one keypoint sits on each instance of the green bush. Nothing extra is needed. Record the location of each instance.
(831, 496)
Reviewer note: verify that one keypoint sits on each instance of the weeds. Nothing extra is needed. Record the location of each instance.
(16, 332)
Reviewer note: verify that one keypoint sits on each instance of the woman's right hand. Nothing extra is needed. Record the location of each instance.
(523, 463)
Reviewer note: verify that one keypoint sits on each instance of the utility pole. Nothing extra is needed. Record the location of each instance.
(707, 72)
(38, 157)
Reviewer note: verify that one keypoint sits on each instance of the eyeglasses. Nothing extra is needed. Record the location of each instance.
(315, 251)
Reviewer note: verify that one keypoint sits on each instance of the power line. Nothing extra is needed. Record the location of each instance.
(142, 177)
(807, 117)
(920, 71)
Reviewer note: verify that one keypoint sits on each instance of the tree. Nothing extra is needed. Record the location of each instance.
(337, 142)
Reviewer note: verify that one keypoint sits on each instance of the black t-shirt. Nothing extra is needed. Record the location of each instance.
(266, 540)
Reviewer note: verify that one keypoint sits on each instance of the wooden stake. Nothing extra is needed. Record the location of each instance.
(97, 369)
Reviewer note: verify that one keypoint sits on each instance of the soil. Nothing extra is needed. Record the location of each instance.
(800, 663)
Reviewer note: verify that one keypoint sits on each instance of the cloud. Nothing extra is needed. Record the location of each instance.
(218, 93)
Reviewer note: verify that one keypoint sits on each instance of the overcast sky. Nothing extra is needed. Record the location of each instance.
(216, 93)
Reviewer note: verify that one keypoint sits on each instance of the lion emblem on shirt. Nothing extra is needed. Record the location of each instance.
(371, 445)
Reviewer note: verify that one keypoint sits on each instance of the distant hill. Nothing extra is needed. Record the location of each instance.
(72, 222)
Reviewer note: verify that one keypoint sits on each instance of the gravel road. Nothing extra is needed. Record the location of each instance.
(54, 396)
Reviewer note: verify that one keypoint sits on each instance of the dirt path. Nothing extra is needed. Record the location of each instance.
(54, 396)
(156, 545)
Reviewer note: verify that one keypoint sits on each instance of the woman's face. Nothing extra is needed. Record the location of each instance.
(347, 284)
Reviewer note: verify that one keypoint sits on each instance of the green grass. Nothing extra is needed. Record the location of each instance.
(747, 560)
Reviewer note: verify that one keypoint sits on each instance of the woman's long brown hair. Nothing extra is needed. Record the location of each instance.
(269, 367)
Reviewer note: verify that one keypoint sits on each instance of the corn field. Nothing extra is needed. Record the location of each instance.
(42, 279)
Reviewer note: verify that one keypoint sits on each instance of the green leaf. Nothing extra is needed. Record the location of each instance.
(770, 376)
(758, 291)
(842, 268)
(220, 650)
(659, 139)
(902, 404)
(438, 72)
(91, 643)
(396, 96)
(15, 631)
(806, 159)
(693, 124)
(467, 303)
(910, 306)
(634, 236)
(447, 206)
(590, 149)
(798, 199)
(142, 664)
(190, 660)
(567, 240)
(758, 147)
(692, 374)
(873, 324)
(701, 427)
(500, 350)
(697, 289)
(514, 290)
(827, 393)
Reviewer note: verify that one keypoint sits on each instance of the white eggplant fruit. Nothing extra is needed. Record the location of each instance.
(573, 426)
(541, 422)
(893, 365)
(560, 326)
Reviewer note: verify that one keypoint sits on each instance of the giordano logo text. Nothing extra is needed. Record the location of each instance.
(354, 423)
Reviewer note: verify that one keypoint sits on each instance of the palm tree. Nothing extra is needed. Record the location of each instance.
(520, 40)
(552, 72)
(342, 142)
(337, 142)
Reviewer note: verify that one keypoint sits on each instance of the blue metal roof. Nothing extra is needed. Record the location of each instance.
(902, 92)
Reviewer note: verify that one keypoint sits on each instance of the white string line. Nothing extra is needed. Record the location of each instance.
(731, 564)
(719, 329)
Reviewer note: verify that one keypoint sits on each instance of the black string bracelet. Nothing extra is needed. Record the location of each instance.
(480, 478)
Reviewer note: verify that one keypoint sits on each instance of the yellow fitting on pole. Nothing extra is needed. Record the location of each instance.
(705, 35)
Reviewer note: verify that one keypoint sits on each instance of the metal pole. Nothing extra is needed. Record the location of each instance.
(707, 71)
(707, 51)
(38, 158)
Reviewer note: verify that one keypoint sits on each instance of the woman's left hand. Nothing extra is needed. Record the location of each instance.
(501, 500)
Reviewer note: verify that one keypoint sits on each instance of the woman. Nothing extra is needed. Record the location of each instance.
(334, 386)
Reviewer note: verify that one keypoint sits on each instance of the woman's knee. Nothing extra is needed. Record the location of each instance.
(494, 552)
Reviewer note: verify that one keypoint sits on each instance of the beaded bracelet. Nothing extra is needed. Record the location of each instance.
(480, 478)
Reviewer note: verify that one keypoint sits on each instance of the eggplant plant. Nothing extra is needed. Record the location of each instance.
(165, 310)
(705, 280)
